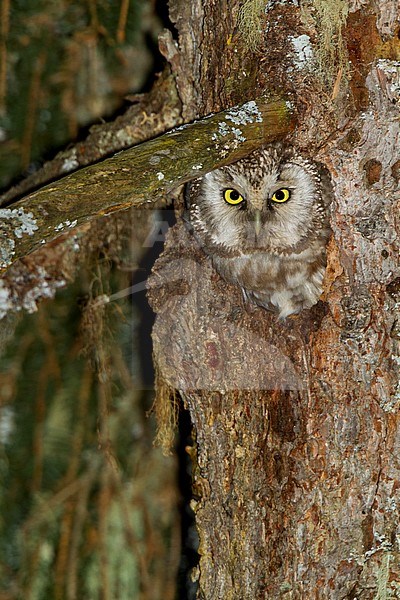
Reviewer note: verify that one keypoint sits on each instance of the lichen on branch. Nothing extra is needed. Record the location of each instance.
(142, 174)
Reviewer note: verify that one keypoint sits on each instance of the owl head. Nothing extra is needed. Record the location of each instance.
(273, 201)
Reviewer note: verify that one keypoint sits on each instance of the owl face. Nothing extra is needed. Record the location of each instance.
(268, 201)
(264, 222)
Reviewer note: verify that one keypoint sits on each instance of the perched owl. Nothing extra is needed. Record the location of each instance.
(264, 221)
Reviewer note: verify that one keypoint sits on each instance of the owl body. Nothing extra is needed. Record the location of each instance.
(264, 221)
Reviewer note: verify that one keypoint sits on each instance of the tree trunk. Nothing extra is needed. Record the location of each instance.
(297, 422)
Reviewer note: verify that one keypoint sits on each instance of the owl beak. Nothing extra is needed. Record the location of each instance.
(257, 221)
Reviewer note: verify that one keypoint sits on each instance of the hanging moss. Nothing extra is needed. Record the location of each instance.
(250, 22)
(83, 495)
(328, 17)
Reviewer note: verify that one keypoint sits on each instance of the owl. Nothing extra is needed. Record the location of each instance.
(264, 222)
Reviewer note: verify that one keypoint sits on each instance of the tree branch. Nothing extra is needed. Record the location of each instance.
(139, 175)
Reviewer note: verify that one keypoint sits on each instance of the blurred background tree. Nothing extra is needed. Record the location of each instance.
(89, 509)
(64, 65)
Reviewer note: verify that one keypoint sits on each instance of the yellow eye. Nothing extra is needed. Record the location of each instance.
(281, 195)
(233, 197)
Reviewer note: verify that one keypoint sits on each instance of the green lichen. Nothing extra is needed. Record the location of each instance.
(328, 18)
(250, 22)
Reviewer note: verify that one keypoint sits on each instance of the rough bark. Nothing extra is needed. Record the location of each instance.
(297, 423)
